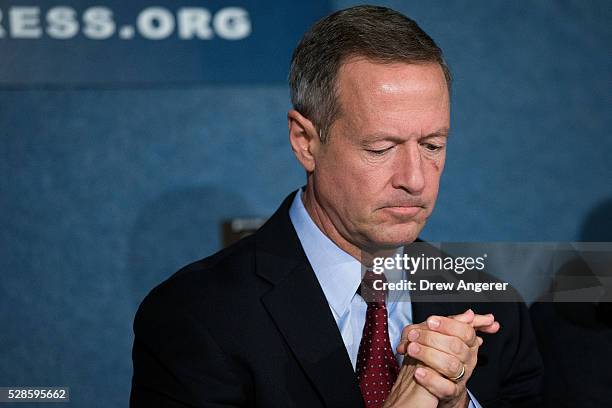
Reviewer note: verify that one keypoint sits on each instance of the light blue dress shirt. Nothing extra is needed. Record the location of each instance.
(339, 275)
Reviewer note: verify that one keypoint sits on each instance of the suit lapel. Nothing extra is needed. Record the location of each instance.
(300, 310)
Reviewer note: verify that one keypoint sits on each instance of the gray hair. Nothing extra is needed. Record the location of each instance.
(379, 34)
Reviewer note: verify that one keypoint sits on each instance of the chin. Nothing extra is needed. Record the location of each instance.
(389, 237)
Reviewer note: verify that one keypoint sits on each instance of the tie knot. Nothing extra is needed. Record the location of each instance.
(372, 288)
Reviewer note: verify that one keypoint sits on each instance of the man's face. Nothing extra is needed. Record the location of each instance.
(377, 177)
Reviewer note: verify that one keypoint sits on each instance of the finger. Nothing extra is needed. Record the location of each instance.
(433, 382)
(452, 327)
(491, 329)
(441, 342)
(403, 344)
(480, 322)
(483, 320)
(465, 317)
(403, 374)
(445, 364)
(473, 355)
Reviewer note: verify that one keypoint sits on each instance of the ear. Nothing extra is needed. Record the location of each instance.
(304, 139)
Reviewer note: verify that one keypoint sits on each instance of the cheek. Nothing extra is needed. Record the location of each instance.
(435, 164)
(433, 172)
(334, 182)
(440, 164)
(345, 170)
(352, 186)
(434, 168)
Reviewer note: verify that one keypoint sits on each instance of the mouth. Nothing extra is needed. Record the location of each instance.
(403, 211)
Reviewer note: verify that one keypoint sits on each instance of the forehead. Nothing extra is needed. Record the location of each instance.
(398, 94)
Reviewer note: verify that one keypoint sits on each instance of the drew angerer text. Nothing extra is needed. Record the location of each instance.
(424, 284)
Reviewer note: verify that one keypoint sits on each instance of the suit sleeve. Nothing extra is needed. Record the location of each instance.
(520, 386)
(178, 363)
(473, 402)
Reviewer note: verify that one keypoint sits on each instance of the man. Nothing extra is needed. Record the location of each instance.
(278, 319)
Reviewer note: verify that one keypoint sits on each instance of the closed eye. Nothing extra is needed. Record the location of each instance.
(432, 147)
(379, 152)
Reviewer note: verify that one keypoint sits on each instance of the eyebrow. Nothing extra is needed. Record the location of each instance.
(375, 137)
(444, 132)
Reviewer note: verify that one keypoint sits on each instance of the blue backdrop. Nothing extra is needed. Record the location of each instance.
(110, 183)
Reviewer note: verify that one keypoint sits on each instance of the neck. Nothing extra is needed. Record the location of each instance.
(322, 219)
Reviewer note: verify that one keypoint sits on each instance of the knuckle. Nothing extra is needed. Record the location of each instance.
(468, 335)
(457, 346)
(449, 391)
(453, 366)
(427, 338)
(405, 332)
(467, 354)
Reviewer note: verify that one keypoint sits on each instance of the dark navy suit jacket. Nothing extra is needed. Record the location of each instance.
(250, 327)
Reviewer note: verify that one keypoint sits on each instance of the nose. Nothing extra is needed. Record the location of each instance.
(409, 169)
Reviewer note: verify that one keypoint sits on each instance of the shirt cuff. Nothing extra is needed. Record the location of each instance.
(473, 402)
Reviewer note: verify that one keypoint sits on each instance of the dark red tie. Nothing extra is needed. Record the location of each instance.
(377, 368)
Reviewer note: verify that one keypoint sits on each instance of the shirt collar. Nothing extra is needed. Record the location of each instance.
(339, 274)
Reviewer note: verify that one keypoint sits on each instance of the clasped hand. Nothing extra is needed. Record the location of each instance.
(437, 350)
